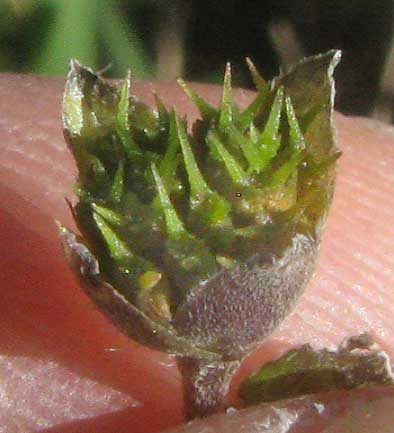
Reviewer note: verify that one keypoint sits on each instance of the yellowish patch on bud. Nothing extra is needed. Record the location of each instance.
(149, 279)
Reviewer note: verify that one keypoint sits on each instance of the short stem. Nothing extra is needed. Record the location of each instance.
(205, 385)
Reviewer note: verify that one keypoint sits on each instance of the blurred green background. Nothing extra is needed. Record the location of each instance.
(163, 39)
(40, 36)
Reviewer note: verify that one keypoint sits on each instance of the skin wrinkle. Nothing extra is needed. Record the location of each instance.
(362, 219)
(294, 331)
(22, 373)
(43, 161)
(384, 309)
(334, 302)
(365, 266)
(17, 140)
(368, 196)
(26, 173)
(294, 415)
(323, 309)
(96, 356)
(90, 334)
(368, 169)
(377, 325)
(379, 320)
(364, 299)
(359, 312)
(353, 182)
(371, 270)
(315, 320)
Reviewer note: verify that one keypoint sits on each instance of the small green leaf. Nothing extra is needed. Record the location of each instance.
(356, 363)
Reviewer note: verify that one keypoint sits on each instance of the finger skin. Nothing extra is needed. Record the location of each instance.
(46, 317)
(361, 411)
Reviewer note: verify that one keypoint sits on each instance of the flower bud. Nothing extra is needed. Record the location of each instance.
(200, 244)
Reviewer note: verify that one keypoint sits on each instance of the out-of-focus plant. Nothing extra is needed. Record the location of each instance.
(42, 35)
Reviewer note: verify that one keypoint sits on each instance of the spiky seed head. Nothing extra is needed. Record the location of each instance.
(200, 243)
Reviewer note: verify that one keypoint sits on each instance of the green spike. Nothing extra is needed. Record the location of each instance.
(271, 127)
(169, 162)
(140, 271)
(161, 111)
(295, 134)
(206, 110)
(280, 175)
(109, 215)
(258, 80)
(198, 187)
(117, 188)
(226, 107)
(122, 121)
(73, 103)
(248, 147)
(269, 140)
(99, 170)
(283, 196)
(91, 169)
(173, 222)
(147, 281)
(214, 211)
(117, 248)
(250, 111)
(88, 105)
(323, 165)
(307, 118)
(235, 170)
(253, 132)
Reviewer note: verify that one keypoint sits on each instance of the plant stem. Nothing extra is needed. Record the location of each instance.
(205, 385)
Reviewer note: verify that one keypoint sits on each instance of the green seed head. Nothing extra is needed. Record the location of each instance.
(200, 244)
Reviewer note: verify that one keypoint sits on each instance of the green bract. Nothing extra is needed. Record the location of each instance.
(356, 363)
(200, 243)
